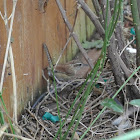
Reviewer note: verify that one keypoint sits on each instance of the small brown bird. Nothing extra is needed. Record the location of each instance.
(74, 69)
(70, 70)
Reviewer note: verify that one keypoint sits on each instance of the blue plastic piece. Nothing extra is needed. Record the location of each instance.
(132, 31)
(49, 116)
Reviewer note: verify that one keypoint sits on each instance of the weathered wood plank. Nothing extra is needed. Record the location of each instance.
(31, 28)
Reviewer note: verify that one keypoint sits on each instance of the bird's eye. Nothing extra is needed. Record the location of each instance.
(78, 65)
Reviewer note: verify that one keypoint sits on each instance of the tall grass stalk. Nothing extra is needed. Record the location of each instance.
(80, 107)
(112, 98)
(58, 110)
(109, 29)
(10, 122)
(115, 16)
(136, 21)
(93, 75)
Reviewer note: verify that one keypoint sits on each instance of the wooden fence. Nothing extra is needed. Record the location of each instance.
(30, 29)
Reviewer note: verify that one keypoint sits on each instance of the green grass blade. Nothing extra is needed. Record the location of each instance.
(58, 110)
(129, 135)
(10, 122)
(112, 98)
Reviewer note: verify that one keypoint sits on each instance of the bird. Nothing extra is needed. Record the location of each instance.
(70, 70)
(74, 69)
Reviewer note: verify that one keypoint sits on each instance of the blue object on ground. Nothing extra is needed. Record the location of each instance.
(49, 116)
(132, 31)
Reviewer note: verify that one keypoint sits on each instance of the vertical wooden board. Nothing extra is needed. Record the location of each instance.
(74, 48)
(71, 13)
(82, 25)
(31, 28)
(77, 32)
(89, 25)
(23, 52)
(54, 29)
(38, 28)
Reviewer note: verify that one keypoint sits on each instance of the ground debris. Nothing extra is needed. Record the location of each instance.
(38, 128)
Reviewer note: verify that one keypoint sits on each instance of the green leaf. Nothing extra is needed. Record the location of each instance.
(135, 102)
(110, 103)
(94, 44)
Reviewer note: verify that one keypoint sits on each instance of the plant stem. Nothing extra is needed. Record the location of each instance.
(136, 20)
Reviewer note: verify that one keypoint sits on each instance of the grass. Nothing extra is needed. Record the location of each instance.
(94, 74)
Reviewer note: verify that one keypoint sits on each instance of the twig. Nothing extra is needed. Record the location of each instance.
(12, 65)
(3, 128)
(75, 37)
(50, 72)
(39, 122)
(98, 11)
(124, 68)
(136, 116)
(16, 124)
(80, 81)
(62, 52)
(6, 55)
(50, 93)
(127, 46)
(1, 15)
(44, 94)
(59, 103)
(117, 61)
(8, 45)
(16, 136)
(103, 122)
(69, 120)
(103, 94)
(67, 40)
(43, 75)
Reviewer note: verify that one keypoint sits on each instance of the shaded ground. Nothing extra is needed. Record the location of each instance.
(40, 129)
(109, 124)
